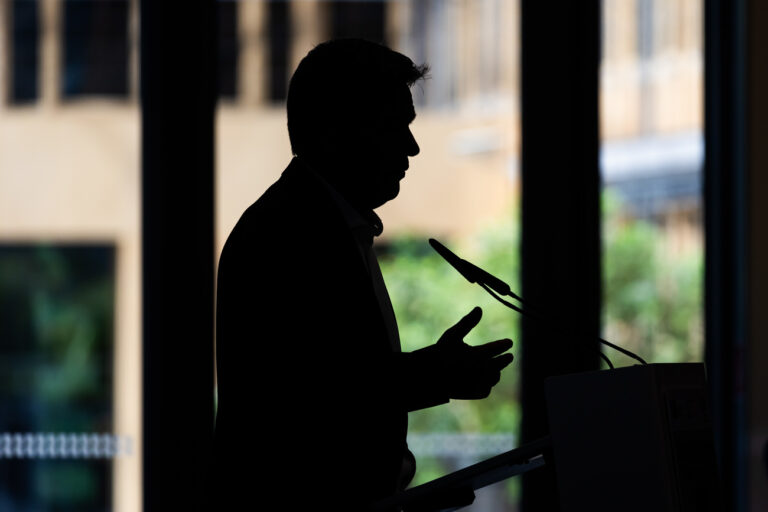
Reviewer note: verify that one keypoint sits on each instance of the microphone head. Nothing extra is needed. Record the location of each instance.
(443, 251)
(470, 271)
(459, 264)
(436, 246)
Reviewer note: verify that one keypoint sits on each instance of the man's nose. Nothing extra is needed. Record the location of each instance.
(412, 147)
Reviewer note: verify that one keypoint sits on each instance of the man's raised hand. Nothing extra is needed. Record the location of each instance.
(469, 372)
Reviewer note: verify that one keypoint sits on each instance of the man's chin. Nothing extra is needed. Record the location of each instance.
(392, 193)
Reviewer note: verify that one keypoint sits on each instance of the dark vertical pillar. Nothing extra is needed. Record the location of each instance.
(725, 222)
(757, 185)
(177, 100)
(560, 208)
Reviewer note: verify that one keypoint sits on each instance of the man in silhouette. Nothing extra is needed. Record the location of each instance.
(313, 388)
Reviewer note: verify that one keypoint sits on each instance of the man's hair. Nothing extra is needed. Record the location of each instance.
(340, 82)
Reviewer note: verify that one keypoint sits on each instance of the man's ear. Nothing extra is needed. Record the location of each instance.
(336, 141)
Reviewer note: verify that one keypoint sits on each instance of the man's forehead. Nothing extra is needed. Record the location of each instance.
(393, 103)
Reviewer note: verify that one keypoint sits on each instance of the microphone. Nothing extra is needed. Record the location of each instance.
(472, 273)
(475, 274)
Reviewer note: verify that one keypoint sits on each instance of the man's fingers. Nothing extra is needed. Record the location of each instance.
(463, 326)
(492, 348)
(493, 368)
(501, 362)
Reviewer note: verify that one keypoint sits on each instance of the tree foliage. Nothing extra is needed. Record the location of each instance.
(652, 293)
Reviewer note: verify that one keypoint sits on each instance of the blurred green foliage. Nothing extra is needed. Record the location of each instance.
(652, 288)
(56, 335)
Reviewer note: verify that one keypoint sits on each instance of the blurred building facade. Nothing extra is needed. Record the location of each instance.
(70, 118)
(652, 111)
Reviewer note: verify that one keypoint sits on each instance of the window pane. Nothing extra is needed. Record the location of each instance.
(279, 31)
(461, 189)
(228, 48)
(24, 29)
(652, 161)
(69, 259)
(95, 47)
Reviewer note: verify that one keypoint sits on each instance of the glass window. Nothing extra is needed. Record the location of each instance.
(651, 161)
(24, 48)
(228, 47)
(57, 340)
(461, 189)
(279, 31)
(357, 19)
(95, 47)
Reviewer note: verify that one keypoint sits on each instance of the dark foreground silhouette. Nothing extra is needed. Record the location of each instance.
(313, 388)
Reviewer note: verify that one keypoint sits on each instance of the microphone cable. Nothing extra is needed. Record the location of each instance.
(541, 319)
(535, 317)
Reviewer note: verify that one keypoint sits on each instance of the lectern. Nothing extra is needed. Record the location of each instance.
(629, 439)
(633, 439)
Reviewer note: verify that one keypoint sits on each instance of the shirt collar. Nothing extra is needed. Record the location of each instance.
(364, 225)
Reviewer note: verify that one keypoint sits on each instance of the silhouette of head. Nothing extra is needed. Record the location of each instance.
(349, 110)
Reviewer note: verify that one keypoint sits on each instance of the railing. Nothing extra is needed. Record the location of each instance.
(460, 445)
(34, 445)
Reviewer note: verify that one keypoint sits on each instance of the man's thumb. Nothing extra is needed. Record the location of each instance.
(456, 333)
